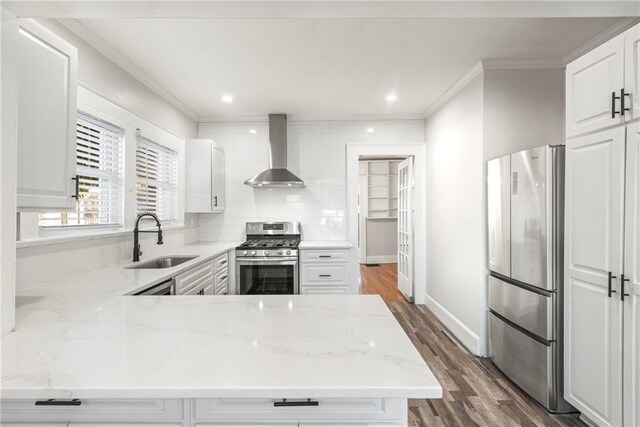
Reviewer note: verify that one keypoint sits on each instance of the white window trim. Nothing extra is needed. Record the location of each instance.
(31, 234)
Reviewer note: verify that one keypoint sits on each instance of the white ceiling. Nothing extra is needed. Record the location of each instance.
(327, 67)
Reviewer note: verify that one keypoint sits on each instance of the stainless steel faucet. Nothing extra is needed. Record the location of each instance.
(136, 244)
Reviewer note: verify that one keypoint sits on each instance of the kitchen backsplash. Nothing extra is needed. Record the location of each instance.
(316, 153)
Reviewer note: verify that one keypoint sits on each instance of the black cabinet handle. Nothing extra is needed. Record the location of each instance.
(285, 402)
(622, 294)
(77, 180)
(223, 277)
(623, 94)
(613, 105)
(224, 261)
(215, 201)
(56, 402)
(325, 275)
(609, 280)
(324, 256)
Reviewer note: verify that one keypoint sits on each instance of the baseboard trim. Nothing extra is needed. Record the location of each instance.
(382, 259)
(462, 332)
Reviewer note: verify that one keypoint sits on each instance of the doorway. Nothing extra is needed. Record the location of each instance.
(385, 193)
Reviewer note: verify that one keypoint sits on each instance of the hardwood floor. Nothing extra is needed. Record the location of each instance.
(381, 279)
(476, 393)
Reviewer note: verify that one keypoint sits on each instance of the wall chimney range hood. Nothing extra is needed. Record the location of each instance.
(277, 175)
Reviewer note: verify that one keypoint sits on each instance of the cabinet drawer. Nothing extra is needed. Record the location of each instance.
(103, 410)
(324, 274)
(222, 276)
(221, 261)
(326, 410)
(322, 255)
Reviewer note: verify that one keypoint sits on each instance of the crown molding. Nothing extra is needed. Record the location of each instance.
(520, 64)
(309, 118)
(474, 72)
(79, 29)
(619, 27)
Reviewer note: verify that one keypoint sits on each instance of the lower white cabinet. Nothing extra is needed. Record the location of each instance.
(221, 282)
(197, 281)
(327, 271)
(208, 413)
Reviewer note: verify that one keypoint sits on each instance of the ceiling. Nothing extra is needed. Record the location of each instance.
(325, 67)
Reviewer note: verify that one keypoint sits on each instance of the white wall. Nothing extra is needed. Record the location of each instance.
(455, 227)
(317, 151)
(52, 261)
(522, 109)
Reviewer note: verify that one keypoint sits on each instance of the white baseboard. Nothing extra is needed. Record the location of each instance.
(382, 259)
(461, 331)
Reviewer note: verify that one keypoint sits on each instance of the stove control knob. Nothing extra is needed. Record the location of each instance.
(288, 252)
(266, 253)
(280, 252)
(244, 252)
(253, 252)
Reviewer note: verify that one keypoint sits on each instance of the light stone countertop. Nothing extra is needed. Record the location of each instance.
(325, 244)
(83, 337)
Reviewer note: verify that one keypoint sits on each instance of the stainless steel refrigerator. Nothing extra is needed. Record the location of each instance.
(525, 225)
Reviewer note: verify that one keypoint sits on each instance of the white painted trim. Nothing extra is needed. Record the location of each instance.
(79, 29)
(616, 29)
(382, 259)
(461, 331)
(474, 72)
(354, 151)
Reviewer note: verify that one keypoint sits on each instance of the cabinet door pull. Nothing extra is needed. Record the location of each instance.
(325, 275)
(56, 402)
(77, 187)
(285, 402)
(324, 256)
(215, 201)
(622, 294)
(609, 284)
(623, 94)
(613, 105)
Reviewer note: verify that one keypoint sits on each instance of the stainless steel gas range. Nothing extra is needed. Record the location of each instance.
(267, 263)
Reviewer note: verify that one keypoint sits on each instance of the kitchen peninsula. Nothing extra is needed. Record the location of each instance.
(107, 356)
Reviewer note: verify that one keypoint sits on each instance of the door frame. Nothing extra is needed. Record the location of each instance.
(354, 152)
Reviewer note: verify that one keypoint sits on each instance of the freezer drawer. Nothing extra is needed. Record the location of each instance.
(527, 362)
(529, 310)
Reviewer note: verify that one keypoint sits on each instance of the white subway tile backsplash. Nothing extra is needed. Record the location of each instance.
(316, 153)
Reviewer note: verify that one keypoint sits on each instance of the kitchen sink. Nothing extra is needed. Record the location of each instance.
(162, 262)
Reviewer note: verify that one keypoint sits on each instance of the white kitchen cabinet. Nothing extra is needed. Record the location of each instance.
(327, 271)
(631, 303)
(632, 71)
(593, 250)
(199, 280)
(205, 176)
(47, 86)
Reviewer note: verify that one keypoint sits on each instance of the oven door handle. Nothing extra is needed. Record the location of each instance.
(262, 261)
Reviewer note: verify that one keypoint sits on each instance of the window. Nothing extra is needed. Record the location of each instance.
(156, 179)
(99, 159)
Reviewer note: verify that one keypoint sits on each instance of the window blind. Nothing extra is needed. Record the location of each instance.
(156, 179)
(99, 162)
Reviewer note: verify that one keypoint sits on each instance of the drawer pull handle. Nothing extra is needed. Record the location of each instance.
(325, 275)
(223, 277)
(285, 402)
(324, 256)
(224, 261)
(56, 402)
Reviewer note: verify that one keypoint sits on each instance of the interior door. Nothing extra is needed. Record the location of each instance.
(632, 287)
(405, 227)
(593, 249)
(499, 214)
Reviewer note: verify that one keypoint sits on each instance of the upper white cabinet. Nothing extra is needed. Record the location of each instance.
(204, 176)
(602, 85)
(47, 85)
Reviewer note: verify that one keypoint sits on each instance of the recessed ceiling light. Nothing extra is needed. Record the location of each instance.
(227, 98)
(370, 130)
(253, 131)
(392, 97)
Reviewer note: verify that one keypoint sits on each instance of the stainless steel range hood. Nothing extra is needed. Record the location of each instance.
(277, 175)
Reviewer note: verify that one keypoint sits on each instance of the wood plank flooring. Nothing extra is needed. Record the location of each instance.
(475, 392)
(381, 279)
